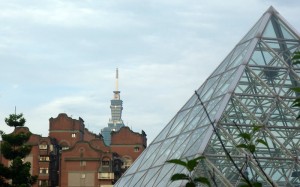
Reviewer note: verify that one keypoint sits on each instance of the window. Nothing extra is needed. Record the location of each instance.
(105, 163)
(136, 149)
(65, 148)
(43, 146)
(44, 158)
(73, 135)
(43, 183)
(126, 162)
(82, 163)
(44, 170)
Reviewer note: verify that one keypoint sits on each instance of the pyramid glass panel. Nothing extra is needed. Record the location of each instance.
(223, 65)
(250, 88)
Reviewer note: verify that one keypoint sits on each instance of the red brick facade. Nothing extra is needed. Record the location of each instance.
(74, 156)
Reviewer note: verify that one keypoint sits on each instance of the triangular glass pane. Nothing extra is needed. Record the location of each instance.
(209, 88)
(180, 145)
(177, 169)
(164, 152)
(164, 171)
(238, 55)
(137, 178)
(134, 167)
(261, 56)
(126, 180)
(149, 157)
(223, 65)
(276, 29)
(191, 102)
(253, 31)
(213, 106)
(195, 142)
(265, 56)
(194, 118)
(149, 181)
(224, 83)
(287, 33)
(179, 122)
(269, 30)
(165, 131)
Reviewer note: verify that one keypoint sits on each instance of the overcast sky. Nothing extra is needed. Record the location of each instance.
(60, 56)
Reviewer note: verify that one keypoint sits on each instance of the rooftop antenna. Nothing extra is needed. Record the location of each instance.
(15, 110)
(117, 79)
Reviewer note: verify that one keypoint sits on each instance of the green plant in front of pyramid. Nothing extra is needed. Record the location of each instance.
(248, 145)
(15, 148)
(250, 142)
(190, 166)
(296, 103)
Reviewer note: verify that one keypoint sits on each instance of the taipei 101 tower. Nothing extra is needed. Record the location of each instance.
(115, 122)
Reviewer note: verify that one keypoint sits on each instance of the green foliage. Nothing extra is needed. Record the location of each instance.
(250, 141)
(15, 120)
(21, 173)
(253, 184)
(16, 139)
(14, 148)
(11, 152)
(262, 142)
(296, 103)
(189, 165)
(179, 176)
(5, 174)
(296, 58)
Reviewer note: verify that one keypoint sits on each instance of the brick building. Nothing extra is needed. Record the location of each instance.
(43, 158)
(73, 156)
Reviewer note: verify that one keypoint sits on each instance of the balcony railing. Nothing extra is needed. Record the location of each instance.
(106, 176)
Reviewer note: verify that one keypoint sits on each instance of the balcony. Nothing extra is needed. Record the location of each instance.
(109, 176)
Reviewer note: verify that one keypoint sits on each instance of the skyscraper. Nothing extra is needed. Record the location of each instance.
(116, 106)
(250, 87)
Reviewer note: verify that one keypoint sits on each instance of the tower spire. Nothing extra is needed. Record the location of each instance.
(117, 79)
(116, 107)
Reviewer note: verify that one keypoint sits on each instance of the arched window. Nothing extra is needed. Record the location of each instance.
(105, 165)
(64, 145)
(43, 145)
(105, 162)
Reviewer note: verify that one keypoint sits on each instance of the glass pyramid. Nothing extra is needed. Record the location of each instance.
(251, 86)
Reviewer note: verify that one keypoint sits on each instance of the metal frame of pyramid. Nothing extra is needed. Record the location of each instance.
(250, 87)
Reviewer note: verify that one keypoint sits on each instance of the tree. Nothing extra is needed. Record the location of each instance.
(15, 149)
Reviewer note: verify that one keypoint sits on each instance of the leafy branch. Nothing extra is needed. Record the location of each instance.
(190, 166)
(250, 146)
(222, 143)
(296, 103)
